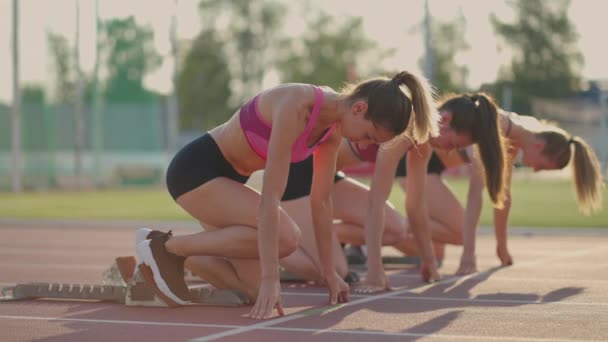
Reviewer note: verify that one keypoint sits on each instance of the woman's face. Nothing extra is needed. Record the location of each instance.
(448, 138)
(356, 128)
(533, 156)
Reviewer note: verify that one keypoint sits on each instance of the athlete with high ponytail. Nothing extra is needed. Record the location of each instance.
(542, 145)
(246, 232)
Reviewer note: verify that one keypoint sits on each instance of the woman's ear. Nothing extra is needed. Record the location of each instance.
(539, 145)
(359, 107)
(445, 118)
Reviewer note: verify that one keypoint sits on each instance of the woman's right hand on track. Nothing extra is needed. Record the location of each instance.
(429, 273)
(373, 284)
(269, 297)
(468, 265)
(503, 254)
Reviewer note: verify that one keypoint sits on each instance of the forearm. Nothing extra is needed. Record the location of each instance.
(420, 229)
(471, 221)
(268, 242)
(374, 228)
(501, 222)
(322, 220)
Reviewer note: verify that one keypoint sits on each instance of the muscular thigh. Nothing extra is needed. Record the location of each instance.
(223, 202)
(299, 210)
(443, 206)
(350, 199)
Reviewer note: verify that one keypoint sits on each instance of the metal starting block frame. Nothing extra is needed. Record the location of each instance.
(128, 288)
(138, 294)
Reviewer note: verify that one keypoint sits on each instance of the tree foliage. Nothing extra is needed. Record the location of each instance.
(131, 55)
(203, 86)
(32, 93)
(326, 53)
(546, 60)
(63, 67)
(251, 36)
(447, 41)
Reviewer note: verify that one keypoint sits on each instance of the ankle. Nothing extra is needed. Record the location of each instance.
(172, 246)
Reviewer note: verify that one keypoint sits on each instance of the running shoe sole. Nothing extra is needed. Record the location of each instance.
(149, 269)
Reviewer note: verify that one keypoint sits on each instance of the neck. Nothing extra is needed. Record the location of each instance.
(520, 136)
(339, 106)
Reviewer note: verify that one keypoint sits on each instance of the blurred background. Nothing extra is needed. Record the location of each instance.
(100, 94)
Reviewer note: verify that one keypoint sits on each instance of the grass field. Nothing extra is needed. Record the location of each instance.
(548, 203)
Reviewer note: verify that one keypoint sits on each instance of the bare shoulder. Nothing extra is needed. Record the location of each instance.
(292, 101)
(292, 94)
(420, 152)
(396, 147)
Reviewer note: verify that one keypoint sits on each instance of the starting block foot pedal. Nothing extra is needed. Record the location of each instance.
(120, 272)
(109, 293)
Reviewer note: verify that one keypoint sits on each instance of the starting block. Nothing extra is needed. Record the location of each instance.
(288, 277)
(121, 284)
(357, 256)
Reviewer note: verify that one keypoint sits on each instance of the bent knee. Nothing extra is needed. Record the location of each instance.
(342, 270)
(289, 240)
(197, 262)
(393, 234)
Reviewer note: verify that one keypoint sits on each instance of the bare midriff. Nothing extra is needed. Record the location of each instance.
(235, 148)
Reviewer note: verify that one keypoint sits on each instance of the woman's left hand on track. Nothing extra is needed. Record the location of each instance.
(339, 290)
(269, 298)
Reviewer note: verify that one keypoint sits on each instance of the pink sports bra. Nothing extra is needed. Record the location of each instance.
(257, 130)
(367, 154)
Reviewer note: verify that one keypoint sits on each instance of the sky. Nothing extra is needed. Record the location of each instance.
(391, 23)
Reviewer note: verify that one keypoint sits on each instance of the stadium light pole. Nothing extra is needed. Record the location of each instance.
(78, 107)
(428, 51)
(17, 184)
(173, 110)
(97, 128)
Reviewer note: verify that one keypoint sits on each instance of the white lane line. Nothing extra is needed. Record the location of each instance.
(267, 325)
(305, 330)
(447, 299)
(517, 279)
(327, 309)
(415, 297)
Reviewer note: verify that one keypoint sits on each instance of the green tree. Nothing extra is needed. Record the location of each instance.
(447, 41)
(546, 59)
(62, 61)
(325, 53)
(32, 94)
(203, 86)
(253, 29)
(130, 57)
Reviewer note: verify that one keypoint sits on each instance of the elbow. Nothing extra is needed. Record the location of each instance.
(506, 204)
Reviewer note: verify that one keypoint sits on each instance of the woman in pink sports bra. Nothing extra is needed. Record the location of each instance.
(365, 216)
(246, 232)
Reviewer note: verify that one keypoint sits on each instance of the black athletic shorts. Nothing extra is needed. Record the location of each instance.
(197, 163)
(435, 166)
(299, 182)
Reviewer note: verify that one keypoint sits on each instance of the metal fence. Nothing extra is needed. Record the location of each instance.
(128, 146)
